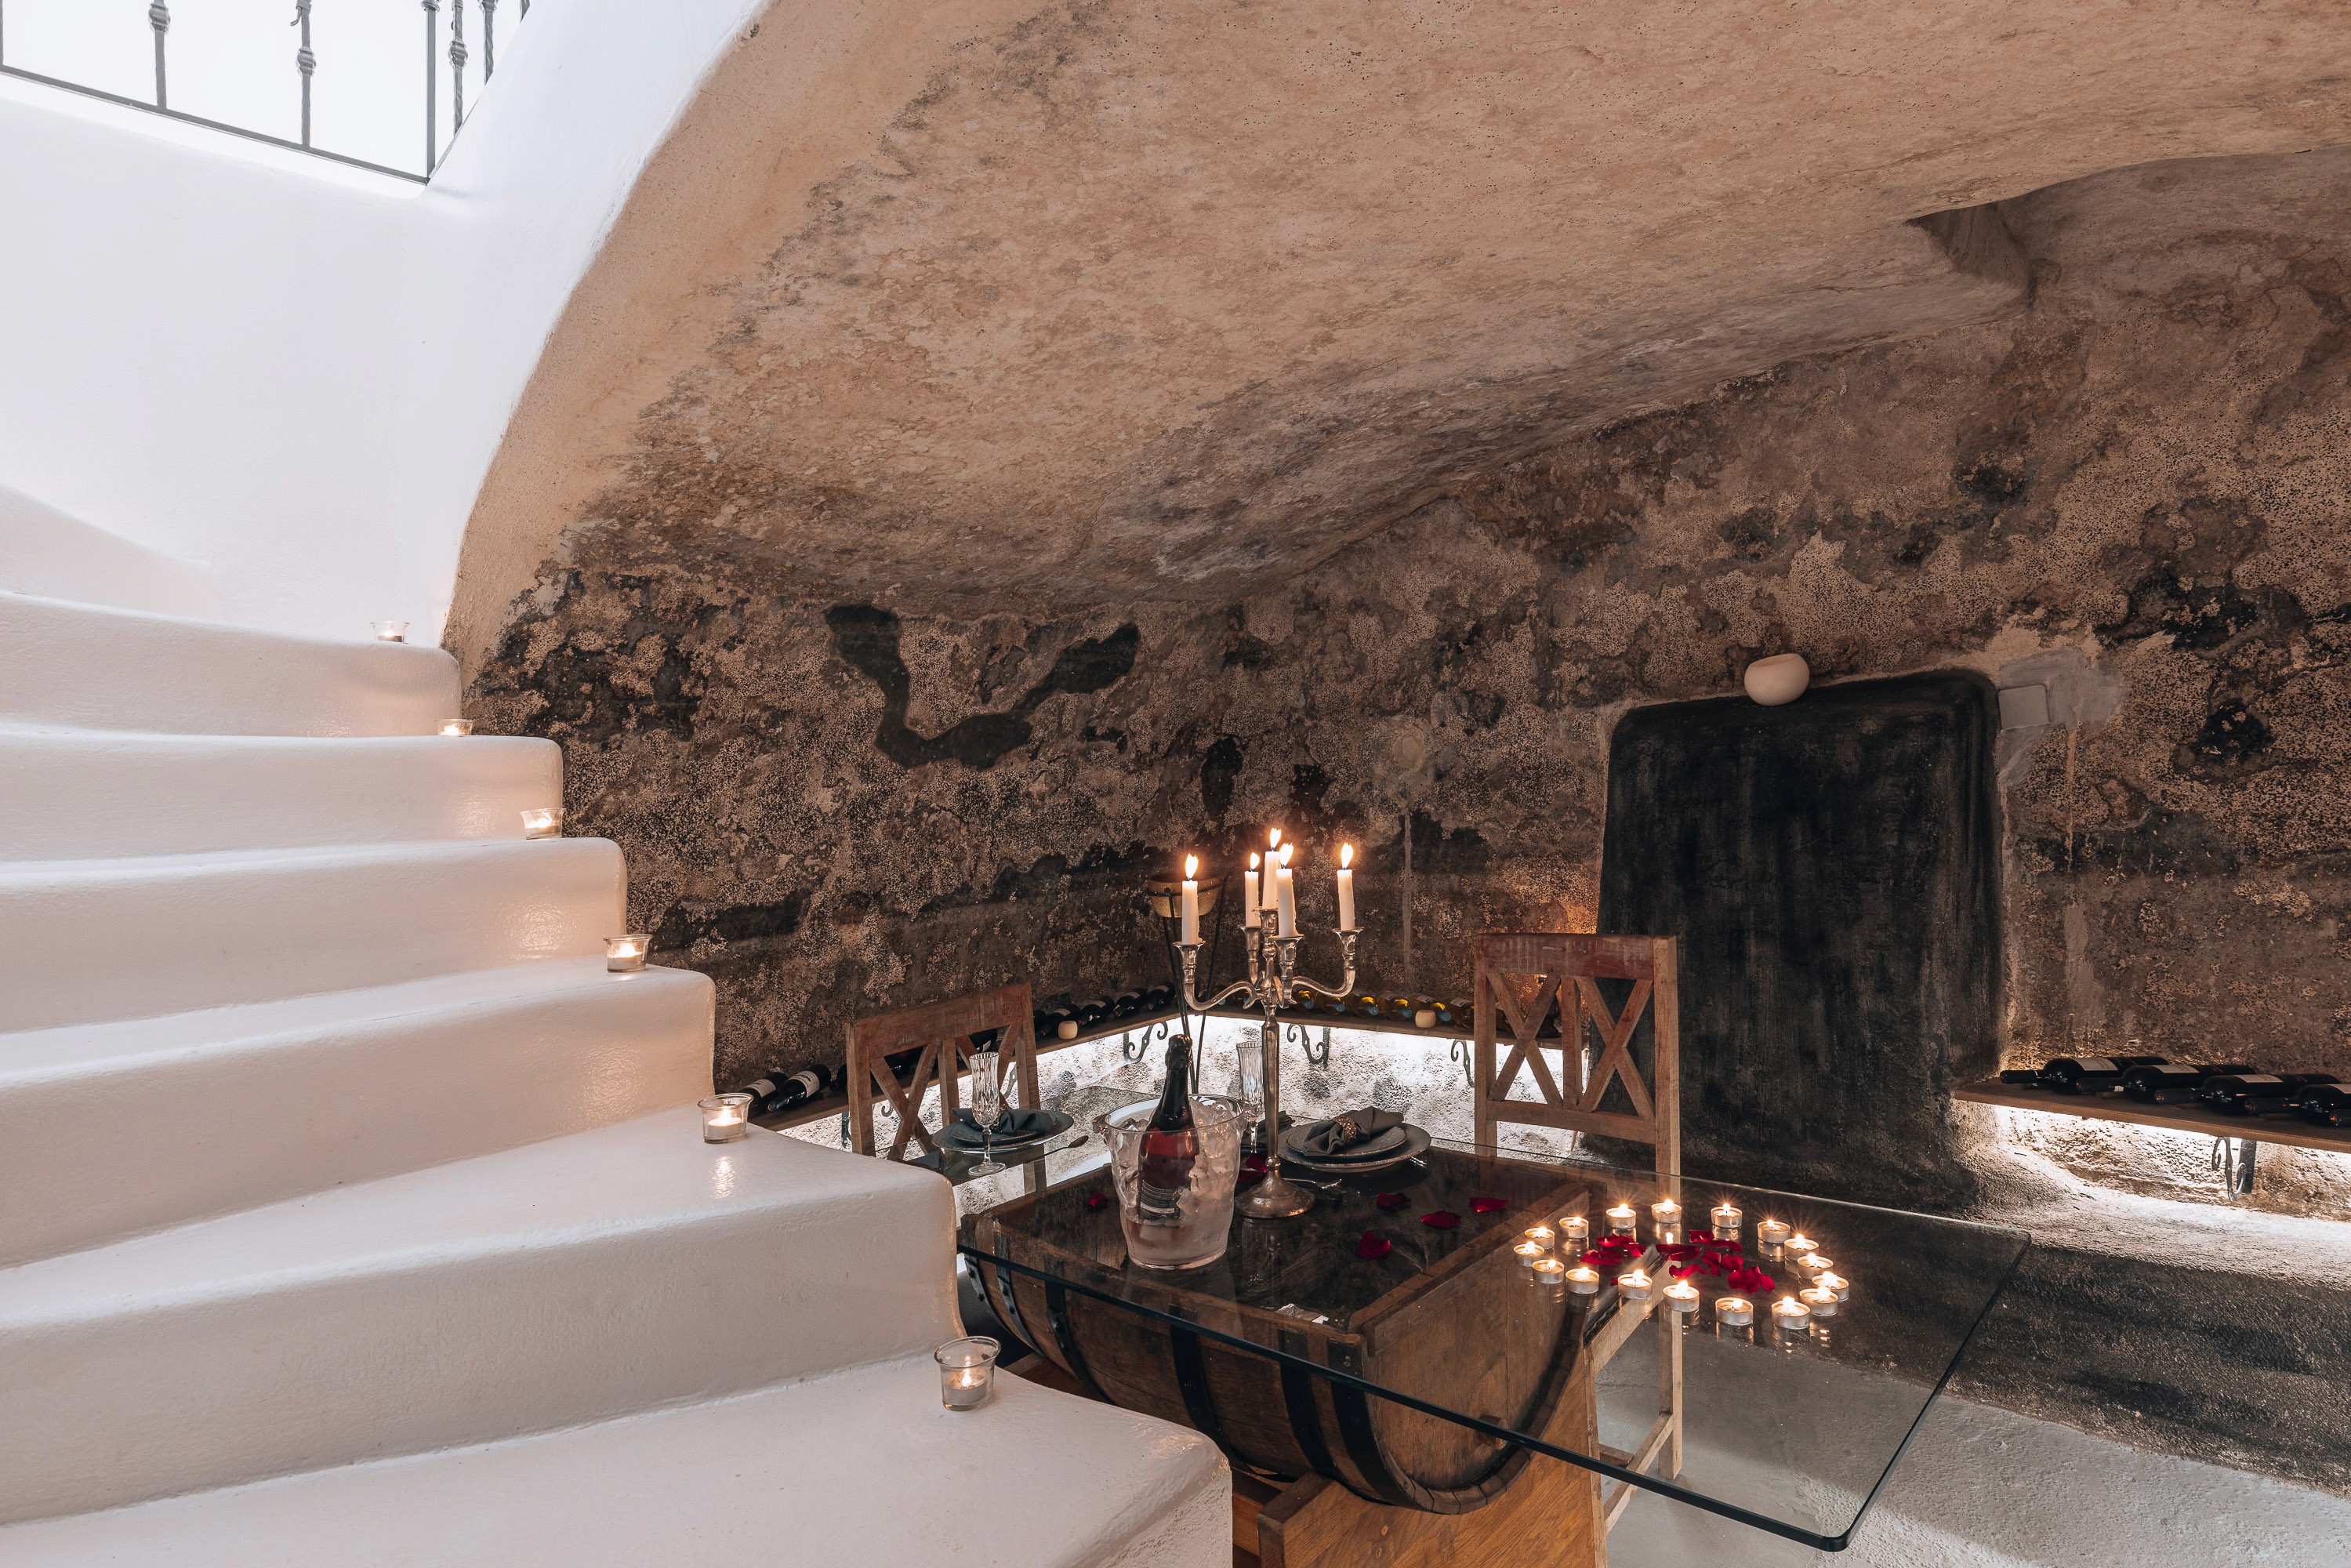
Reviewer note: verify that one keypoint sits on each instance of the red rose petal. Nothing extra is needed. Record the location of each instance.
(1488, 1204)
(1373, 1246)
(1391, 1200)
(1096, 1199)
(1443, 1220)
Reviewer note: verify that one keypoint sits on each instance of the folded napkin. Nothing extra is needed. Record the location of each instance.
(1347, 1129)
(1013, 1122)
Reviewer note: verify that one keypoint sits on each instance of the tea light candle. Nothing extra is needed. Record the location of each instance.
(1542, 1236)
(541, 822)
(1733, 1311)
(1576, 1230)
(1682, 1296)
(1820, 1302)
(626, 954)
(1548, 1272)
(1814, 1264)
(1838, 1283)
(1636, 1286)
(1799, 1244)
(1666, 1213)
(391, 630)
(726, 1117)
(1773, 1233)
(1530, 1255)
(1347, 895)
(1583, 1280)
(1792, 1315)
(1191, 900)
(457, 727)
(1621, 1219)
(966, 1371)
(1726, 1217)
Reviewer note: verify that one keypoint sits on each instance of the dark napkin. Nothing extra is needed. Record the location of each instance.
(1015, 1122)
(1348, 1128)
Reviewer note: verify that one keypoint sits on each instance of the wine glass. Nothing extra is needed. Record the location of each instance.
(987, 1107)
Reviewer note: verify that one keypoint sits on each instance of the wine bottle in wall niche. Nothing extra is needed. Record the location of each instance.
(777, 1090)
(2327, 1104)
(2256, 1094)
(2022, 1077)
(2091, 1074)
(1126, 1004)
(2173, 1084)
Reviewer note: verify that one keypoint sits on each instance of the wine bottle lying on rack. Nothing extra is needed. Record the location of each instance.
(778, 1090)
(2324, 1104)
(2091, 1074)
(2257, 1093)
(2173, 1084)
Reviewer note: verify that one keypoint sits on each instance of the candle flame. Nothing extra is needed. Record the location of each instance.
(1286, 851)
(1252, 862)
(1191, 867)
(1275, 842)
(1346, 856)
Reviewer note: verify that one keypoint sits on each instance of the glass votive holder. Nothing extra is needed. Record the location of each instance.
(1725, 1217)
(1575, 1231)
(1636, 1286)
(1622, 1221)
(1583, 1279)
(1544, 1237)
(1792, 1315)
(1733, 1311)
(1836, 1282)
(726, 1117)
(626, 954)
(457, 727)
(1821, 1301)
(391, 630)
(542, 822)
(966, 1371)
(1813, 1263)
(1528, 1255)
(1682, 1296)
(1773, 1233)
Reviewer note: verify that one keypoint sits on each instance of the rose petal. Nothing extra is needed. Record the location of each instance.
(1443, 1220)
(1373, 1246)
(1096, 1199)
(1391, 1200)
(1488, 1204)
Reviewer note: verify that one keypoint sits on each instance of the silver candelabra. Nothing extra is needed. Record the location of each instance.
(1273, 975)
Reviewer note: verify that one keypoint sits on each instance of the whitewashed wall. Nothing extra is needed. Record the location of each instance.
(294, 374)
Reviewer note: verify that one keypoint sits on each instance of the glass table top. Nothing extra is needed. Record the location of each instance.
(1439, 1352)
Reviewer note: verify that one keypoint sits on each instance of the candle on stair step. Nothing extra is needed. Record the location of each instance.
(626, 954)
(542, 822)
(726, 1117)
(966, 1371)
(391, 631)
(457, 727)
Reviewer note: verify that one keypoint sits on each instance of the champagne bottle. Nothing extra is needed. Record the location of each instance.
(780, 1092)
(1171, 1145)
(2256, 1094)
(2091, 1074)
(2173, 1084)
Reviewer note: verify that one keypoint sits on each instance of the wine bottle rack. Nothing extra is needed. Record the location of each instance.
(2182, 1118)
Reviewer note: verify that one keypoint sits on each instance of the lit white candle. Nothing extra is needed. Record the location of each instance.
(1636, 1286)
(626, 954)
(1682, 1296)
(1799, 1244)
(1543, 1237)
(1286, 900)
(1248, 895)
(542, 822)
(1792, 1315)
(1838, 1283)
(1548, 1274)
(1347, 889)
(1813, 1263)
(1191, 898)
(966, 1371)
(1583, 1280)
(457, 727)
(1772, 1232)
(1576, 1229)
(1733, 1311)
(726, 1117)
(1666, 1213)
(391, 631)
(1272, 856)
(1530, 1254)
(1621, 1221)
(1726, 1217)
(1820, 1302)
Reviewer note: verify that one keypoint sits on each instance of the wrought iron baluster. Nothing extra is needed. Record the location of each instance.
(432, 80)
(489, 40)
(159, 16)
(456, 68)
(305, 62)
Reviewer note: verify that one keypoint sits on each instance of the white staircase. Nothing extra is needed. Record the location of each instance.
(351, 1213)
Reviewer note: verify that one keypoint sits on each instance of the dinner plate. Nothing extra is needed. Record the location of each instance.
(965, 1139)
(1415, 1143)
(1293, 1142)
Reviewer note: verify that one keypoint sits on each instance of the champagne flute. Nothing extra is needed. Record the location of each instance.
(987, 1107)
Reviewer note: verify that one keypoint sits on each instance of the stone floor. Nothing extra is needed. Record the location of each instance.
(1982, 1488)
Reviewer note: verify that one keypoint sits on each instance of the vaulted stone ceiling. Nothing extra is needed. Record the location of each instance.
(995, 305)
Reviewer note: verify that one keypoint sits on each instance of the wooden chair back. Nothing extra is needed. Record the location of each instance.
(1519, 979)
(943, 1030)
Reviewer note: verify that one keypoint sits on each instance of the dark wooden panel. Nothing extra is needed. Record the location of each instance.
(1832, 870)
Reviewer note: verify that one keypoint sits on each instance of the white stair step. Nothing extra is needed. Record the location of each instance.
(86, 941)
(564, 1282)
(84, 792)
(860, 1470)
(108, 1130)
(100, 668)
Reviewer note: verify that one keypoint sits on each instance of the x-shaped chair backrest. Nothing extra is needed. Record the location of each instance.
(1521, 978)
(944, 1031)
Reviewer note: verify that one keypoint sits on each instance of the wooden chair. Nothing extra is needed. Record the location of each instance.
(944, 1031)
(1520, 979)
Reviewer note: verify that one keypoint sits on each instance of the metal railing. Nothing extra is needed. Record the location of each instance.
(92, 17)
